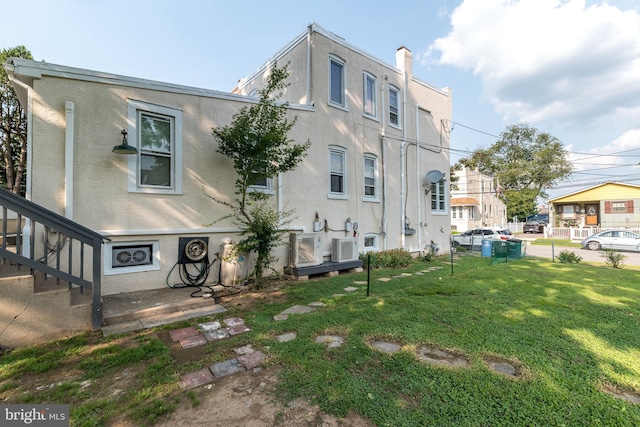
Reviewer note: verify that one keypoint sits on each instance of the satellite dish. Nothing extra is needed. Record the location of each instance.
(434, 176)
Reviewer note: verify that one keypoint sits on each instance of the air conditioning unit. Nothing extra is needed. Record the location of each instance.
(305, 249)
(344, 249)
(127, 256)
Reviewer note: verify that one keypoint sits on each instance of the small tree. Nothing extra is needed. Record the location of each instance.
(13, 128)
(257, 143)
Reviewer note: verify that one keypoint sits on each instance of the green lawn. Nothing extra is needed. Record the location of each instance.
(572, 332)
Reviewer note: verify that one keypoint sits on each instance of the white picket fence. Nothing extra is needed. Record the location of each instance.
(571, 233)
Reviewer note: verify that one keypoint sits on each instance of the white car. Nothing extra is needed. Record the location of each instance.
(475, 236)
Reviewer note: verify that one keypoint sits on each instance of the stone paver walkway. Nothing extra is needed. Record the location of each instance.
(249, 358)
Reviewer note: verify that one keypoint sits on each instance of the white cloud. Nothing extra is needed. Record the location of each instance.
(549, 61)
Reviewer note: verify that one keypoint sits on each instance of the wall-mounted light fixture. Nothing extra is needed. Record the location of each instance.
(124, 148)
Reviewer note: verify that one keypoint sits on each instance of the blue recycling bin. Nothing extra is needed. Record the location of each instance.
(487, 246)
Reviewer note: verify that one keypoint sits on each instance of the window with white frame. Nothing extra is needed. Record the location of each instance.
(369, 95)
(259, 182)
(337, 172)
(471, 212)
(337, 80)
(394, 106)
(457, 212)
(370, 177)
(156, 132)
(370, 242)
(438, 201)
(619, 207)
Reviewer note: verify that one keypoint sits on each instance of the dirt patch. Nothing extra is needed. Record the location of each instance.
(622, 394)
(245, 399)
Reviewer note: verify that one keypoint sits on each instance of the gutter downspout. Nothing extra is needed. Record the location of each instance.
(69, 110)
(383, 220)
(418, 192)
(308, 83)
(403, 147)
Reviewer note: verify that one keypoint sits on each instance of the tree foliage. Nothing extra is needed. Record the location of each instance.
(525, 163)
(13, 128)
(258, 144)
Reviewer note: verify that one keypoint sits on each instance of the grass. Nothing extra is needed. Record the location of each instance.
(557, 242)
(571, 331)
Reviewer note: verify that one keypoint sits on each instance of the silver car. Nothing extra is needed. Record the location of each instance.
(622, 240)
(474, 237)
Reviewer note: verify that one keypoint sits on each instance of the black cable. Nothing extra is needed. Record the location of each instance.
(195, 280)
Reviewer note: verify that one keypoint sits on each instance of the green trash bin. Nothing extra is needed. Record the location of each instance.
(515, 249)
(500, 248)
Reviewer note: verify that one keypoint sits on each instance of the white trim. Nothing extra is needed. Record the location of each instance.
(108, 251)
(36, 69)
(69, 114)
(374, 248)
(166, 232)
(134, 106)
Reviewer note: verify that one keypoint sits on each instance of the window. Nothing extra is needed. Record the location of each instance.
(370, 242)
(471, 212)
(394, 111)
(259, 182)
(370, 178)
(438, 197)
(157, 133)
(618, 207)
(369, 95)
(337, 172)
(155, 136)
(337, 82)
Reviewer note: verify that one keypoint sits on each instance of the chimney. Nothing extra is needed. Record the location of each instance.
(404, 60)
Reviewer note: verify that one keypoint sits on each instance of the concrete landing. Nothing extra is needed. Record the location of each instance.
(133, 311)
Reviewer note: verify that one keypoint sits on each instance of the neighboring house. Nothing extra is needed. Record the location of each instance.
(376, 131)
(476, 203)
(608, 205)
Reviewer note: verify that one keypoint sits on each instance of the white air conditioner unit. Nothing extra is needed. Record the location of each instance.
(131, 255)
(344, 249)
(305, 250)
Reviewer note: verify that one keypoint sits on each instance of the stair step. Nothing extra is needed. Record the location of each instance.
(164, 309)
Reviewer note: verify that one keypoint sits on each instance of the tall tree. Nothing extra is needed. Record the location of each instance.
(13, 127)
(525, 162)
(258, 144)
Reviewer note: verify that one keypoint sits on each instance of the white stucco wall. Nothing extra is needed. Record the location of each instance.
(102, 201)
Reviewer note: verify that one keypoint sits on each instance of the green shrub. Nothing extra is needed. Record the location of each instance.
(392, 258)
(568, 257)
(613, 258)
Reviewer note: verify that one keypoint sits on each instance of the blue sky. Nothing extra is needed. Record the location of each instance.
(567, 67)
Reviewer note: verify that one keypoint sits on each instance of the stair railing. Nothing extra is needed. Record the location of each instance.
(63, 249)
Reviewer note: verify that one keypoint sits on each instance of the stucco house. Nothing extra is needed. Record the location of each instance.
(376, 132)
(606, 205)
(475, 203)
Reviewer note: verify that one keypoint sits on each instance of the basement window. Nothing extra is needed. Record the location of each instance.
(131, 257)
